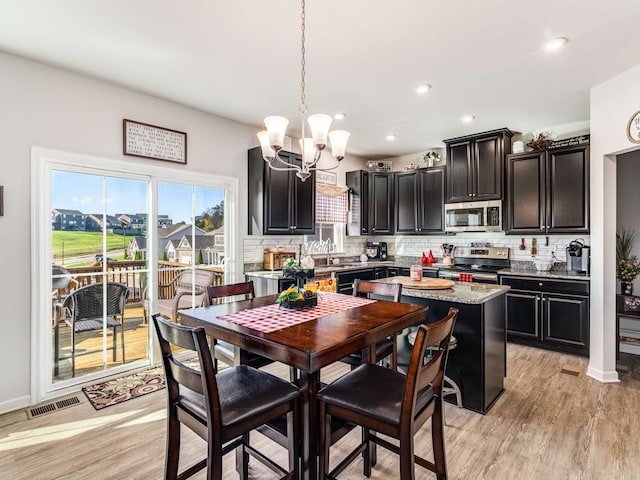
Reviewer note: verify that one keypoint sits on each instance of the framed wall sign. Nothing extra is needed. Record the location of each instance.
(633, 128)
(148, 141)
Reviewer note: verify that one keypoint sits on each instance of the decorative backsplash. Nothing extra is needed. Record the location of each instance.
(413, 246)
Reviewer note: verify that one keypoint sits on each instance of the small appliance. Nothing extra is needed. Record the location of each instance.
(578, 257)
(384, 251)
(372, 249)
(473, 216)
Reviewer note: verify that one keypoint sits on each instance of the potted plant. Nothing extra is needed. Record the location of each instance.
(431, 158)
(627, 266)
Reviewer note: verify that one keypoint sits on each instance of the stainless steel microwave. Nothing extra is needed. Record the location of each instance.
(473, 216)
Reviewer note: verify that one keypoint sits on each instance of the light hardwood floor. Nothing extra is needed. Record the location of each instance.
(547, 425)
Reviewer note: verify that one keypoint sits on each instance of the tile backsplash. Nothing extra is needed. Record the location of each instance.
(413, 246)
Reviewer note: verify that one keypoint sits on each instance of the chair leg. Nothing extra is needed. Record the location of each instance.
(366, 454)
(437, 438)
(115, 344)
(122, 338)
(56, 355)
(73, 350)
(407, 459)
(242, 458)
(172, 455)
(293, 427)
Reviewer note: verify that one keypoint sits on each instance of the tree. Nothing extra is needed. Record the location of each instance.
(165, 257)
(137, 256)
(200, 260)
(212, 218)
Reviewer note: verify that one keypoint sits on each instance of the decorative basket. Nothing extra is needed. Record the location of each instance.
(305, 304)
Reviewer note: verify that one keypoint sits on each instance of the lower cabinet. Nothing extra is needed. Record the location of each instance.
(345, 280)
(426, 272)
(548, 313)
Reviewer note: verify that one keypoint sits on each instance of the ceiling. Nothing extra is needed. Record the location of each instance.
(241, 59)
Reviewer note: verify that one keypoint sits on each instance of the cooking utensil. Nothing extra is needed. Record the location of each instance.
(522, 245)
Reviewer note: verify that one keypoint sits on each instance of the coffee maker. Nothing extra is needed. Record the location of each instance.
(384, 252)
(578, 257)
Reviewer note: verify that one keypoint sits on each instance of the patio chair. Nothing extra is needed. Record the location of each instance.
(84, 310)
(184, 285)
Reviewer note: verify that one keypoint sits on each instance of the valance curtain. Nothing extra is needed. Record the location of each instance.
(331, 204)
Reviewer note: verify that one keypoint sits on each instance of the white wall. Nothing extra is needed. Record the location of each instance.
(612, 105)
(43, 106)
(628, 199)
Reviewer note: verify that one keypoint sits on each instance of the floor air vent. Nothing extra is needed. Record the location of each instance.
(571, 370)
(51, 407)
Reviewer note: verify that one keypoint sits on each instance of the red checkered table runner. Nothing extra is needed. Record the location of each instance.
(271, 317)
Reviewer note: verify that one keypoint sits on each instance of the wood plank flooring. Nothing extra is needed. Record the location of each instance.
(547, 425)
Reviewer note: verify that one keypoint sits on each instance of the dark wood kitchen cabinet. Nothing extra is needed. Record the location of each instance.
(279, 202)
(474, 165)
(370, 203)
(547, 313)
(548, 191)
(419, 201)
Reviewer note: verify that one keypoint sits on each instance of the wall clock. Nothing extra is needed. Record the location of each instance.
(633, 128)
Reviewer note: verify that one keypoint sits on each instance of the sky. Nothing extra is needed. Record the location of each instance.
(79, 191)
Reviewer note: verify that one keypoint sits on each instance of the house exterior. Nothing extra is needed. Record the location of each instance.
(189, 248)
(94, 223)
(132, 222)
(62, 219)
(137, 245)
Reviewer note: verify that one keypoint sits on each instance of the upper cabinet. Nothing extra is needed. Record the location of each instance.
(370, 203)
(419, 201)
(548, 191)
(279, 202)
(474, 166)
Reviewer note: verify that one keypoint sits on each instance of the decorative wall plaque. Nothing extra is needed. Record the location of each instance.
(148, 141)
(633, 128)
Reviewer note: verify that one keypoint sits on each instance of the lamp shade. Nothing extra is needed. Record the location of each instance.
(319, 124)
(308, 150)
(267, 152)
(276, 126)
(339, 140)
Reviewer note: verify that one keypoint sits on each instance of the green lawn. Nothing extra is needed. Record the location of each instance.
(77, 244)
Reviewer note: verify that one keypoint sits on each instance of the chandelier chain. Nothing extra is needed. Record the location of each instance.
(303, 105)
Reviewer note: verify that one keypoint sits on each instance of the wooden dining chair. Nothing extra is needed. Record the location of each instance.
(222, 408)
(387, 348)
(386, 401)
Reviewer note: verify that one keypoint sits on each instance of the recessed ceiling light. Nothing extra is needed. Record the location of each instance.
(556, 43)
(468, 118)
(391, 137)
(339, 116)
(422, 88)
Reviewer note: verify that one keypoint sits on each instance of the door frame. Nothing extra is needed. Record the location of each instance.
(43, 161)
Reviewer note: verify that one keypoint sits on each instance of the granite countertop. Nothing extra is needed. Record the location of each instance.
(559, 274)
(461, 292)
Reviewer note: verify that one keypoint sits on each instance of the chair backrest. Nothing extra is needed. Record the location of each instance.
(61, 278)
(197, 279)
(87, 302)
(362, 288)
(216, 293)
(178, 373)
(427, 372)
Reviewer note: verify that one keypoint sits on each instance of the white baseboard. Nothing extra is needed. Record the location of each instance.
(602, 376)
(14, 404)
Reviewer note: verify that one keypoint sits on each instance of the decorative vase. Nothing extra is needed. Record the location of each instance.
(626, 288)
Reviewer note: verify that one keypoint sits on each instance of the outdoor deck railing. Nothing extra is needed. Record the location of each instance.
(133, 274)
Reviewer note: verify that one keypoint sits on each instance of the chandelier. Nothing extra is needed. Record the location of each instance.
(272, 139)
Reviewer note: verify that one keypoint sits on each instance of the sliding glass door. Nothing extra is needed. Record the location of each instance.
(98, 288)
(112, 246)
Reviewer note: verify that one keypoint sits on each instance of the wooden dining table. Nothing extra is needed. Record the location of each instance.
(308, 345)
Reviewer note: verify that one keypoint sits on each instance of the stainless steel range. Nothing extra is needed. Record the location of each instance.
(480, 260)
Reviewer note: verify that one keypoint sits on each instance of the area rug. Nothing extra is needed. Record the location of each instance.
(118, 390)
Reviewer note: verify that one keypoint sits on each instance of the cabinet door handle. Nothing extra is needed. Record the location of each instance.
(540, 284)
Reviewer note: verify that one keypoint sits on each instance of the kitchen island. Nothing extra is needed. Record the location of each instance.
(478, 364)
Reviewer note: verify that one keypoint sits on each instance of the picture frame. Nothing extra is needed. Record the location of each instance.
(150, 141)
